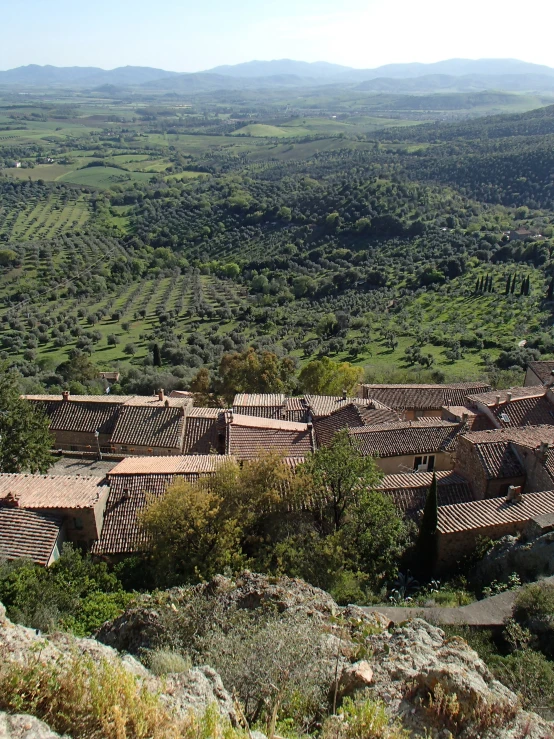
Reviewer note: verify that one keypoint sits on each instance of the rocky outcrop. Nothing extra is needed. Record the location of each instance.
(194, 690)
(24, 727)
(529, 558)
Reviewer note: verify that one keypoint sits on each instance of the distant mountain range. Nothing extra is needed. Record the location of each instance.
(453, 75)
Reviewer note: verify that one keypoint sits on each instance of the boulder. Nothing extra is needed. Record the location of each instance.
(357, 676)
(21, 726)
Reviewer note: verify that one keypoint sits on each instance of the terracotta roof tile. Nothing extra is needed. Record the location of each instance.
(422, 397)
(176, 464)
(157, 426)
(498, 460)
(517, 393)
(204, 433)
(530, 436)
(248, 436)
(324, 405)
(28, 534)
(52, 491)
(346, 417)
(409, 491)
(479, 514)
(405, 437)
(258, 400)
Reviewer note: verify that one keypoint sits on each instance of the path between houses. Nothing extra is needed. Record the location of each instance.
(487, 613)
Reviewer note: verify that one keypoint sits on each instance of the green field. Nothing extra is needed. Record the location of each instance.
(103, 177)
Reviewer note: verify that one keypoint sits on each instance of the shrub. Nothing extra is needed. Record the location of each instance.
(534, 609)
(362, 719)
(166, 661)
(531, 676)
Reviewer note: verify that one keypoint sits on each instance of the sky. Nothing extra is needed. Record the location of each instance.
(189, 35)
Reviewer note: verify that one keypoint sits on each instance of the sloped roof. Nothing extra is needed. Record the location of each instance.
(157, 426)
(517, 393)
(543, 370)
(405, 437)
(423, 397)
(530, 436)
(346, 417)
(52, 491)
(84, 417)
(130, 491)
(409, 491)
(28, 534)
(203, 427)
(258, 400)
(324, 405)
(170, 465)
(248, 436)
(499, 460)
(491, 512)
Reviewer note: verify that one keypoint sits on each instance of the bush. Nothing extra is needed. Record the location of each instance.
(531, 676)
(166, 661)
(534, 609)
(90, 700)
(362, 719)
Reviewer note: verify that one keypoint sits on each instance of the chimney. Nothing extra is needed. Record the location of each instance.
(65, 395)
(166, 403)
(497, 400)
(161, 396)
(344, 395)
(310, 426)
(465, 416)
(543, 451)
(10, 501)
(514, 494)
(508, 397)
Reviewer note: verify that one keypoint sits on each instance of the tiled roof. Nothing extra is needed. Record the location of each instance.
(533, 411)
(52, 491)
(160, 427)
(543, 370)
(296, 409)
(28, 534)
(204, 431)
(129, 494)
(375, 416)
(171, 465)
(324, 405)
(83, 417)
(498, 460)
(490, 398)
(397, 439)
(259, 400)
(109, 399)
(153, 401)
(248, 436)
(422, 397)
(493, 512)
(530, 436)
(409, 491)
(346, 417)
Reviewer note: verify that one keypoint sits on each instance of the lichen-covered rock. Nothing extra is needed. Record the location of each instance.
(530, 559)
(21, 726)
(193, 691)
(357, 676)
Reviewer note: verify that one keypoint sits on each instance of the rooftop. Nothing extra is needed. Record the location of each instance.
(499, 461)
(543, 370)
(52, 491)
(171, 465)
(409, 491)
(249, 400)
(422, 397)
(248, 436)
(406, 437)
(28, 534)
(157, 426)
(529, 436)
(479, 514)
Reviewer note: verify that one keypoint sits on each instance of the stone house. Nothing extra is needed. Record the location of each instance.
(409, 446)
(462, 525)
(78, 503)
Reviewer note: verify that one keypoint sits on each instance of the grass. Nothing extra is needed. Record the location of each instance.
(103, 177)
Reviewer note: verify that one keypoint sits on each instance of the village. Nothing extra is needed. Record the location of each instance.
(492, 453)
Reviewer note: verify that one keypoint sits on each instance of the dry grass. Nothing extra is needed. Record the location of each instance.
(97, 700)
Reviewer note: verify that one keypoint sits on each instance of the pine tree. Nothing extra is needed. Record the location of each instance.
(157, 357)
(427, 541)
(508, 284)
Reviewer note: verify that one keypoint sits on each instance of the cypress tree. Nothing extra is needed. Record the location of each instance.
(157, 356)
(427, 541)
(514, 280)
(490, 284)
(528, 286)
(481, 284)
(508, 284)
(522, 288)
(477, 285)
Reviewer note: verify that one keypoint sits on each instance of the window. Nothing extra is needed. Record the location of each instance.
(78, 523)
(425, 463)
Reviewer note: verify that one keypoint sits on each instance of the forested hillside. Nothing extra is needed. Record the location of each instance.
(388, 247)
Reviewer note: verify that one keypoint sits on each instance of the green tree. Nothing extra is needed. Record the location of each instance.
(250, 372)
(25, 440)
(325, 377)
(156, 356)
(427, 539)
(79, 368)
(334, 477)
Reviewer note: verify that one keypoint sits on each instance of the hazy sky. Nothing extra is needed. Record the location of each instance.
(188, 36)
